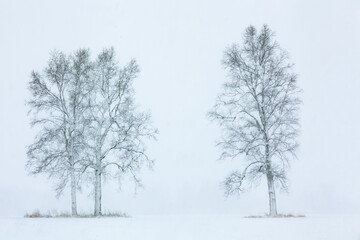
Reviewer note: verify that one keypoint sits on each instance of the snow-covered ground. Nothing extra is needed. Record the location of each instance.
(184, 227)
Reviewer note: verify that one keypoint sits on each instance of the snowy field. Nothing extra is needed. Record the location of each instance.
(184, 227)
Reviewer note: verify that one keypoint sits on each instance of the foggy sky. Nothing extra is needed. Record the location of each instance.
(179, 47)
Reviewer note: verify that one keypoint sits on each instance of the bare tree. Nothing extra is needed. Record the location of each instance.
(116, 130)
(57, 106)
(258, 112)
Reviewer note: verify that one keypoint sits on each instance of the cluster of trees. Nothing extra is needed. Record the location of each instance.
(90, 126)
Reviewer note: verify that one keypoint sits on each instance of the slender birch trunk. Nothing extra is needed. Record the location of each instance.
(270, 181)
(97, 183)
(97, 189)
(73, 193)
(272, 197)
(72, 179)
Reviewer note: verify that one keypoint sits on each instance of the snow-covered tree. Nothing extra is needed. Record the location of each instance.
(258, 112)
(116, 133)
(87, 121)
(57, 105)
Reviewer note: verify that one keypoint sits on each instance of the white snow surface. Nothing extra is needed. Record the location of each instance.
(184, 227)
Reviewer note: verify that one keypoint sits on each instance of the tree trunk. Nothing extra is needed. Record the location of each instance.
(97, 189)
(272, 197)
(270, 181)
(73, 193)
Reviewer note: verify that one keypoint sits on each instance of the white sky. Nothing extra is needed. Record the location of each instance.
(179, 45)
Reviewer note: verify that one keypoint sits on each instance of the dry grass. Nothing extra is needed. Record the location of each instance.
(277, 216)
(55, 214)
(115, 214)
